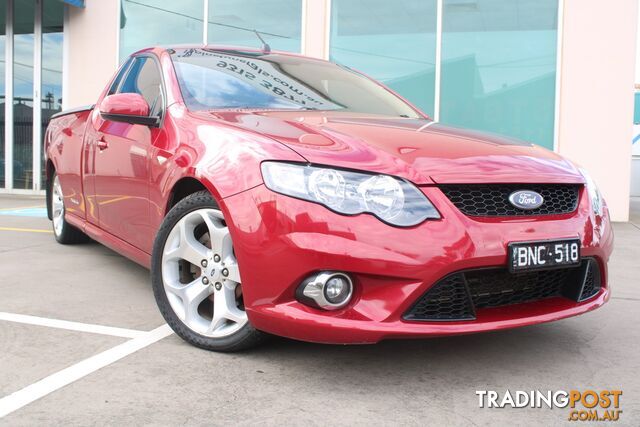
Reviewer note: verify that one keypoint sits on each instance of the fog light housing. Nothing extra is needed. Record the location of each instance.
(328, 290)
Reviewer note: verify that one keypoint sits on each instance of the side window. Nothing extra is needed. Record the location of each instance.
(144, 78)
(114, 86)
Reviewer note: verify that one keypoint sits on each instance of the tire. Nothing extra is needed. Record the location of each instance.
(196, 278)
(64, 232)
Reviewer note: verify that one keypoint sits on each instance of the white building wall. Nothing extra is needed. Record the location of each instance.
(596, 93)
(315, 28)
(91, 55)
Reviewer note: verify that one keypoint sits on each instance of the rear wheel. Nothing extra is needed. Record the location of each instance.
(64, 232)
(196, 278)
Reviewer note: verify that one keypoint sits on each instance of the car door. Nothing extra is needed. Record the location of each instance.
(121, 160)
(89, 150)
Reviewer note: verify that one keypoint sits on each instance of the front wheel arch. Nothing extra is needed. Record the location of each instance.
(181, 189)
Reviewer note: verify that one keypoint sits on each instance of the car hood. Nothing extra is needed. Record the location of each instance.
(419, 150)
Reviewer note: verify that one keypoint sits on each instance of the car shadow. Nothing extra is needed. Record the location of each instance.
(529, 349)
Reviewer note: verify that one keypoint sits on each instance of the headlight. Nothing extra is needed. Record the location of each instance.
(392, 200)
(597, 202)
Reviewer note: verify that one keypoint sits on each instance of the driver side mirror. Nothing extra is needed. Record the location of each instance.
(127, 108)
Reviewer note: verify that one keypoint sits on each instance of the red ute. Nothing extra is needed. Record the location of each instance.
(268, 192)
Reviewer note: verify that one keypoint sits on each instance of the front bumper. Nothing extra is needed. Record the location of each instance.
(279, 241)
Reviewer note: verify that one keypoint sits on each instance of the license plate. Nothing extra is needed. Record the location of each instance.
(525, 256)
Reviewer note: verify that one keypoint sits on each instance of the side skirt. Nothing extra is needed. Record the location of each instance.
(109, 240)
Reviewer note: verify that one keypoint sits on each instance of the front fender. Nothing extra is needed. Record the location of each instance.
(223, 159)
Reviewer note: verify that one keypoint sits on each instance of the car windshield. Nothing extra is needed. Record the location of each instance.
(214, 79)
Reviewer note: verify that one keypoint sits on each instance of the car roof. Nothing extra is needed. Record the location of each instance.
(234, 49)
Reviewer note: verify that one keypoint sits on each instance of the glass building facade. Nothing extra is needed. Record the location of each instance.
(497, 66)
(231, 22)
(146, 23)
(31, 49)
(482, 64)
(394, 42)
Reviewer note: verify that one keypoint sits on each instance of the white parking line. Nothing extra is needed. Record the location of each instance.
(72, 326)
(53, 382)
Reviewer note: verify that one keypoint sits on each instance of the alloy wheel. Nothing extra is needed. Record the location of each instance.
(57, 207)
(200, 275)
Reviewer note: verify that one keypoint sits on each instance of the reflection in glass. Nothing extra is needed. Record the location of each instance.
(23, 51)
(3, 9)
(145, 23)
(52, 22)
(232, 22)
(211, 79)
(499, 67)
(394, 42)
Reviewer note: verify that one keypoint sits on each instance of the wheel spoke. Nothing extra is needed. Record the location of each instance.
(173, 286)
(234, 271)
(189, 248)
(225, 308)
(221, 242)
(195, 294)
(217, 321)
(219, 235)
(191, 294)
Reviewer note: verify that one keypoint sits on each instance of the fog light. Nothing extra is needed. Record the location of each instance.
(328, 290)
(337, 289)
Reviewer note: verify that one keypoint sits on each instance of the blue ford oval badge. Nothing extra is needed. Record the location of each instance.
(525, 199)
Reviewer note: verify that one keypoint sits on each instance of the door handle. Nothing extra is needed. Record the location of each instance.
(102, 144)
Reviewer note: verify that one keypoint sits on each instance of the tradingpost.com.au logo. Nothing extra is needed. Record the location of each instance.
(586, 405)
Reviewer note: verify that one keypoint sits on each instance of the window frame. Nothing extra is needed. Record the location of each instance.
(163, 94)
(122, 72)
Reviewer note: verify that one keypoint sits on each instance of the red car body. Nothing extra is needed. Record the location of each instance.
(119, 181)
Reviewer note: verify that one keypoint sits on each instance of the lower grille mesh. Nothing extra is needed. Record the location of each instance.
(446, 300)
(457, 296)
(499, 287)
